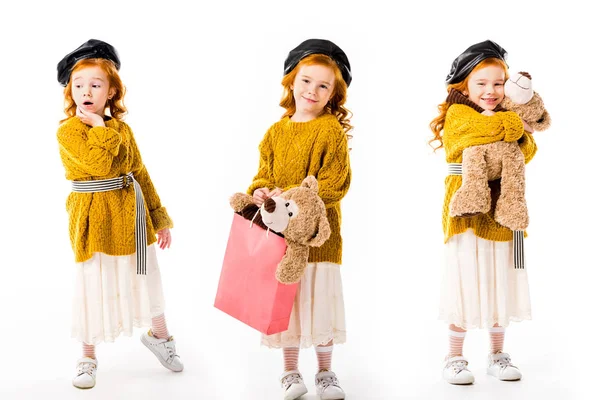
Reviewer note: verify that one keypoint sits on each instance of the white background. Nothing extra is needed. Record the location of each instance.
(203, 86)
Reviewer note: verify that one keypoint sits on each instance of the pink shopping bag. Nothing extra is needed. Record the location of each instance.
(247, 288)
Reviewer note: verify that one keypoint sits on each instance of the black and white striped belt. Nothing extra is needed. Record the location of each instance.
(518, 236)
(122, 182)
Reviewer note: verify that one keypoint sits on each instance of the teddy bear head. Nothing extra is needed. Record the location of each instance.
(520, 97)
(299, 214)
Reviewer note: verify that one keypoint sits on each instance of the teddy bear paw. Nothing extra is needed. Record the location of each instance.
(512, 213)
(239, 201)
(470, 201)
(287, 276)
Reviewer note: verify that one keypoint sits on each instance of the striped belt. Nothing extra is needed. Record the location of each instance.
(518, 236)
(454, 169)
(122, 182)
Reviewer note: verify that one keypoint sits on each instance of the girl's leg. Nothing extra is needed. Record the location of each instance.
(324, 353)
(89, 351)
(457, 339)
(499, 363)
(291, 379)
(158, 341)
(496, 339)
(326, 381)
(85, 375)
(290, 358)
(159, 327)
(455, 366)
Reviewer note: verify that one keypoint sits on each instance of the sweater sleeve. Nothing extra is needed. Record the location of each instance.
(90, 152)
(513, 126)
(335, 174)
(465, 127)
(264, 176)
(528, 146)
(158, 213)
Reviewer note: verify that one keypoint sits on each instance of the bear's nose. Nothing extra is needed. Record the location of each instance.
(270, 205)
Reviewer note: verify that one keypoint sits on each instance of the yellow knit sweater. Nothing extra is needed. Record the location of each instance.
(105, 222)
(290, 151)
(465, 127)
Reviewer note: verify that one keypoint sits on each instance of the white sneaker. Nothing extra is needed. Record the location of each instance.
(328, 386)
(86, 373)
(292, 384)
(456, 371)
(499, 365)
(164, 350)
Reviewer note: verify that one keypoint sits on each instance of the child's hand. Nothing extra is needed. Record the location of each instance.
(260, 195)
(164, 238)
(90, 118)
(489, 113)
(526, 126)
(275, 192)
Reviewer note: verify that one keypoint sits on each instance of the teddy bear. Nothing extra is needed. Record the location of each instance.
(299, 215)
(501, 160)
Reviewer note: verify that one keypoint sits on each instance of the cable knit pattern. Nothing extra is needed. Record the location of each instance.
(290, 151)
(465, 127)
(105, 222)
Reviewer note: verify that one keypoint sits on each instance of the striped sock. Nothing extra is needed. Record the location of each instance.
(496, 339)
(159, 327)
(456, 343)
(324, 354)
(89, 350)
(290, 358)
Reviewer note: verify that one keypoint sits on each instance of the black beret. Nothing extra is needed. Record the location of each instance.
(91, 49)
(319, 46)
(464, 63)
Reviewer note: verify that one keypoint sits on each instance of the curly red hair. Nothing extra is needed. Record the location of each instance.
(114, 104)
(335, 106)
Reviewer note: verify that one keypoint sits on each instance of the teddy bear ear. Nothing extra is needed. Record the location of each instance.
(311, 183)
(323, 233)
(525, 74)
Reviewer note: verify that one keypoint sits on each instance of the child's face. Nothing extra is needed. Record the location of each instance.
(90, 89)
(313, 87)
(486, 87)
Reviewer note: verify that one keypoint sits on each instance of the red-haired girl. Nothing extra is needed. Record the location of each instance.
(311, 139)
(115, 214)
(481, 288)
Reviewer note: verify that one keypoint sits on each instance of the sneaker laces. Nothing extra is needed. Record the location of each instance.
(458, 366)
(504, 362)
(86, 368)
(170, 351)
(325, 382)
(290, 379)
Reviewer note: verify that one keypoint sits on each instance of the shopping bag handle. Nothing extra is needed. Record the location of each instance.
(252, 221)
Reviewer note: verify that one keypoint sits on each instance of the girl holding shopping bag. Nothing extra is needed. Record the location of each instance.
(311, 139)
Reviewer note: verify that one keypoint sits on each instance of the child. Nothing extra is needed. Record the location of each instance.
(112, 210)
(311, 139)
(481, 287)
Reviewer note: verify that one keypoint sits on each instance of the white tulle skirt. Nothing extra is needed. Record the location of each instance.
(318, 315)
(480, 285)
(110, 298)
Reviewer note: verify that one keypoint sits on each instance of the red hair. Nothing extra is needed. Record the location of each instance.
(437, 124)
(335, 106)
(115, 103)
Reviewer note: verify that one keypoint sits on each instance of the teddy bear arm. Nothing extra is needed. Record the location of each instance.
(239, 201)
(292, 265)
(542, 123)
